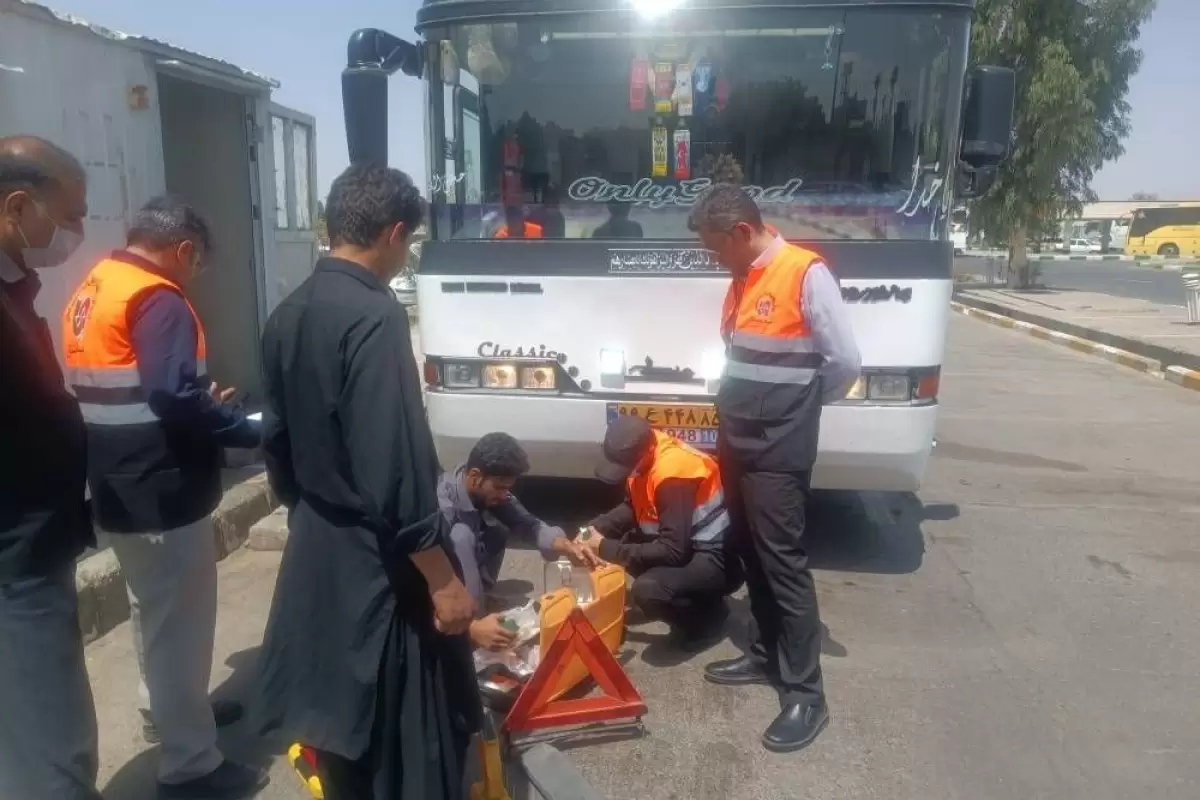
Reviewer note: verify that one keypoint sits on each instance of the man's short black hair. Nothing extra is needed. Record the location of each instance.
(722, 207)
(498, 455)
(367, 199)
(166, 221)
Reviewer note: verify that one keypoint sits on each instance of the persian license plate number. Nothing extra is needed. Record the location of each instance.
(693, 424)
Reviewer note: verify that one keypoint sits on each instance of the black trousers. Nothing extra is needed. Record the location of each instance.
(767, 509)
(687, 595)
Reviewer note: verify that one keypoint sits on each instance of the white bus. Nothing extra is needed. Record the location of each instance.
(567, 141)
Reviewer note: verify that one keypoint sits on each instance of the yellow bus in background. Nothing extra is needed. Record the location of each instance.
(1172, 231)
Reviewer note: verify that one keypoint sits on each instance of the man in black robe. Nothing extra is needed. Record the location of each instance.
(364, 659)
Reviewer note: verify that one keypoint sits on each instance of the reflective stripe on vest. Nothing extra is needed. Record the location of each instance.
(673, 459)
(101, 364)
(765, 326)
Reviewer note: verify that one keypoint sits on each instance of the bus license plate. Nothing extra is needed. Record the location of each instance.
(695, 424)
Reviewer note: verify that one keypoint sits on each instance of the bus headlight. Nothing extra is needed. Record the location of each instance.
(500, 376)
(858, 391)
(612, 369)
(889, 388)
(540, 378)
(460, 376)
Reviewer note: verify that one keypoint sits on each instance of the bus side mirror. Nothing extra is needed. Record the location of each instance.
(371, 58)
(987, 127)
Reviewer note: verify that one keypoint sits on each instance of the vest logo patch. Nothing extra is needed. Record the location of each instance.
(764, 307)
(80, 314)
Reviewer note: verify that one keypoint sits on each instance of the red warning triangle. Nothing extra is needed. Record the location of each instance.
(534, 710)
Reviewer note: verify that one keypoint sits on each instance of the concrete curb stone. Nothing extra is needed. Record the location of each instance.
(270, 533)
(241, 507)
(1181, 376)
(103, 602)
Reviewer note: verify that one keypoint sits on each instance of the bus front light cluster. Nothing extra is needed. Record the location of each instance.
(913, 386)
(499, 375)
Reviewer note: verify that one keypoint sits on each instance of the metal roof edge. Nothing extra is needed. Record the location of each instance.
(145, 43)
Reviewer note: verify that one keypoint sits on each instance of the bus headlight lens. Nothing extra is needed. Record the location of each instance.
(541, 378)
(893, 388)
(460, 376)
(858, 391)
(712, 365)
(500, 376)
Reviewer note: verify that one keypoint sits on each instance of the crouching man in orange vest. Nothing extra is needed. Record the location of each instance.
(670, 533)
(136, 360)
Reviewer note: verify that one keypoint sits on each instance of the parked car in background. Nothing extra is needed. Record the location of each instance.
(1084, 247)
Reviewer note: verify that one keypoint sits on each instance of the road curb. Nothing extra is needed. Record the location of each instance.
(1181, 376)
(1165, 356)
(1116, 355)
(1170, 263)
(270, 533)
(103, 602)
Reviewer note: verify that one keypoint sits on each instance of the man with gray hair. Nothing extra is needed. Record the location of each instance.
(789, 350)
(47, 719)
(136, 358)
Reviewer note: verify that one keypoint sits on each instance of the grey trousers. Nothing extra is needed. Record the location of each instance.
(47, 718)
(172, 582)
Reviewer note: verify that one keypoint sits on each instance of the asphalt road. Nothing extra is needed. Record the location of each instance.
(1027, 627)
(1120, 278)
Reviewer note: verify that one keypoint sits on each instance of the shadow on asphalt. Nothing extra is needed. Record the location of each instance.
(137, 780)
(865, 532)
(873, 532)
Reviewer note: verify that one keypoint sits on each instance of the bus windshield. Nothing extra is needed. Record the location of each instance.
(842, 124)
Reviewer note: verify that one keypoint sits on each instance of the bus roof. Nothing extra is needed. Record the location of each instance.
(436, 12)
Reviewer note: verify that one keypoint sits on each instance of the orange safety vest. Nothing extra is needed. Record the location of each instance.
(766, 400)
(145, 476)
(674, 459)
(98, 343)
(532, 231)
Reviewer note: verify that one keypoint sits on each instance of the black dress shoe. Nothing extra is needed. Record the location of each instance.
(230, 781)
(796, 727)
(741, 671)
(225, 713)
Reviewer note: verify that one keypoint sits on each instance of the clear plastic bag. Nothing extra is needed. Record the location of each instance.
(522, 659)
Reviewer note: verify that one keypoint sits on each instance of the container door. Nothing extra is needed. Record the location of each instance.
(291, 139)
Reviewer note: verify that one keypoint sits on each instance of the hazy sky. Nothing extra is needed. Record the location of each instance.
(305, 50)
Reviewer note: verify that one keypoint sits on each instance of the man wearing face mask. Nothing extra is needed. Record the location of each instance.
(47, 719)
(136, 359)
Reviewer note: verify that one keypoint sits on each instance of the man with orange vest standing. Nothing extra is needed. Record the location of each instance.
(670, 533)
(789, 350)
(136, 358)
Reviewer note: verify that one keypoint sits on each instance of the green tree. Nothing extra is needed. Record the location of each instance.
(1073, 60)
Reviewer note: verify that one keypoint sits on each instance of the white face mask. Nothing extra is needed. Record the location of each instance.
(62, 246)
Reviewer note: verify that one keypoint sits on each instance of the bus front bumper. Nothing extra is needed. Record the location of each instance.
(867, 448)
